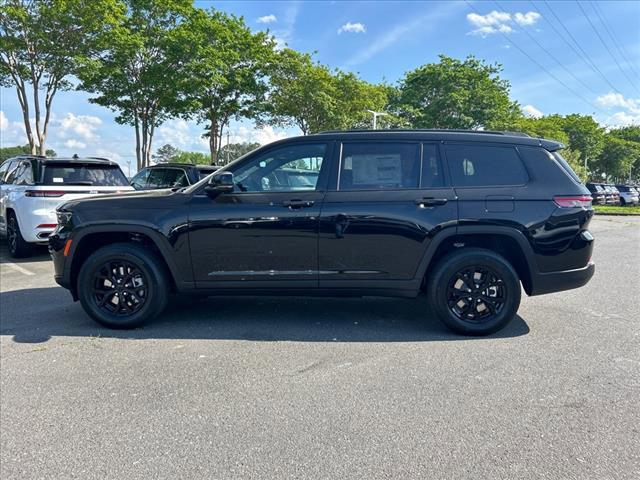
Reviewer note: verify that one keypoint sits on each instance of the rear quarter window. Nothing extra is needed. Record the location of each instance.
(485, 165)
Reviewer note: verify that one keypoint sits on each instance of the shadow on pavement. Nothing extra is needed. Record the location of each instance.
(37, 314)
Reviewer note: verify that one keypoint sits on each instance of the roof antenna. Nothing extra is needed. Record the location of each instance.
(75, 156)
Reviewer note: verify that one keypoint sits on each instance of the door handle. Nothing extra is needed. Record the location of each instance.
(430, 201)
(298, 203)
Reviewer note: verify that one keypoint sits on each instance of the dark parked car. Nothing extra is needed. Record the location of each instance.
(597, 193)
(170, 175)
(465, 217)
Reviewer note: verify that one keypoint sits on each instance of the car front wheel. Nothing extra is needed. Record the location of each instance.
(122, 285)
(474, 291)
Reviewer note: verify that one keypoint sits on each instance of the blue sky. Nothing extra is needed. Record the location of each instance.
(383, 40)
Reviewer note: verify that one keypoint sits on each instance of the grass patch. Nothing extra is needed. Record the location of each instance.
(613, 210)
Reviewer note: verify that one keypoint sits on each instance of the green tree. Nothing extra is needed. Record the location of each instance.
(465, 94)
(313, 98)
(550, 127)
(226, 69)
(9, 152)
(41, 44)
(140, 75)
(585, 135)
(197, 158)
(166, 153)
(230, 152)
(617, 158)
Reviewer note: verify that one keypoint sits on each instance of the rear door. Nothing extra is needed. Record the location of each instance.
(388, 201)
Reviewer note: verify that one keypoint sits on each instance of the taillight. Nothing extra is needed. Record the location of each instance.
(47, 225)
(580, 201)
(44, 193)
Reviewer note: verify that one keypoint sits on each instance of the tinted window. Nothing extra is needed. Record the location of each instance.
(431, 167)
(3, 170)
(374, 166)
(83, 174)
(485, 165)
(567, 168)
(156, 178)
(140, 180)
(205, 172)
(11, 172)
(23, 174)
(175, 177)
(292, 168)
(622, 188)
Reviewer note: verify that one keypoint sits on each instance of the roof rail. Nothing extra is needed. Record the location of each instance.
(97, 158)
(430, 130)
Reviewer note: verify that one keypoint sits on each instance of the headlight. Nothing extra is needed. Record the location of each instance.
(64, 218)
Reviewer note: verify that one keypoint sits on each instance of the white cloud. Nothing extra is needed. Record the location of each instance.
(352, 28)
(83, 126)
(271, 18)
(263, 136)
(71, 143)
(4, 121)
(283, 35)
(528, 18)
(495, 22)
(630, 113)
(531, 111)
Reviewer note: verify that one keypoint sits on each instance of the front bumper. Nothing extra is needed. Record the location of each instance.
(564, 280)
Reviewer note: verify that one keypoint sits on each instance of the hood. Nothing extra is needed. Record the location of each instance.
(147, 199)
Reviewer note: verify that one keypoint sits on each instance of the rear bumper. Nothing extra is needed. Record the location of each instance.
(564, 280)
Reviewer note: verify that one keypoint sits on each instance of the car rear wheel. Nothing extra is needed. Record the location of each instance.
(474, 291)
(123, 285)
(18, 246)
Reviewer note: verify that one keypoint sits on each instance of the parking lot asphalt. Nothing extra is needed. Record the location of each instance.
(324, 388)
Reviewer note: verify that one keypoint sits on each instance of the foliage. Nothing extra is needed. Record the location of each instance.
(230, 152)
(311, 97)
(197, 158)
(617, 157)
(585, 135)
(41, 44)
(165, 153)
(227, 67)
(9, 152)
(140, 74)
(465, 94)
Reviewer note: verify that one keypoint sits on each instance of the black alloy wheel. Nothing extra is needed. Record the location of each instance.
(120, 288)
(476, 294)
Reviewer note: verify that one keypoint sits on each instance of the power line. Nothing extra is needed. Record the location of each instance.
(615, 59)
(618, 45)
(586, 56)
(542, 67)
(552, 56)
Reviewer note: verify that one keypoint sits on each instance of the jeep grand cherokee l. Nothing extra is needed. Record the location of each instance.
(31, 187)
(467, 218)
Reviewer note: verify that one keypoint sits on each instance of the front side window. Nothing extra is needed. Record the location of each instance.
(175, 178)
(485, 165)
(79, 174)
(156, 178)
(379, 165)
(140, 180)
(285, 169)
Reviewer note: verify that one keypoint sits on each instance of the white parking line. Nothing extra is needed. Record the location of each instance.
(17, 268)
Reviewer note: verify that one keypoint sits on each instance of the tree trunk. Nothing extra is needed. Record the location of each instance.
(213, 140)
(136, 123)
(24, 106)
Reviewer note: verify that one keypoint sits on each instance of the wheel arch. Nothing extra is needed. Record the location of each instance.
(89, 239)
(508, 242)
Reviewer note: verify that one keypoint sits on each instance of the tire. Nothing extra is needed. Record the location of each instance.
(17, 245)
(478, 312)
(623, 202)
(138, 277)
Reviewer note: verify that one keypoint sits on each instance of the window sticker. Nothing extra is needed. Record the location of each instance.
(58, 180)
(376, 169)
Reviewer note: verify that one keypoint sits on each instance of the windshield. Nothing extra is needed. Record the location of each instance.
(83, 174)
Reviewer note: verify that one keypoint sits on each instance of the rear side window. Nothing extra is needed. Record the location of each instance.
(83, 174)
(24, 174)
(565, 165)
(379, 165)
(485, 165)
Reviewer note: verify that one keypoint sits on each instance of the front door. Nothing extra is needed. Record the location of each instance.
(391, 199)
(264, 233)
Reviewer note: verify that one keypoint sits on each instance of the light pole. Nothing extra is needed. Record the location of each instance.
(375, 117)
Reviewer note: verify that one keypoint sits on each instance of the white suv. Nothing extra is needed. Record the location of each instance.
(31, 187)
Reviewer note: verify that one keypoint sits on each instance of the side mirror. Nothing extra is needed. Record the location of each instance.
(220, 183)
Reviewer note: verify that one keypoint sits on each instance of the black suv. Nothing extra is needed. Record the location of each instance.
(465, 217)
(170, 175)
